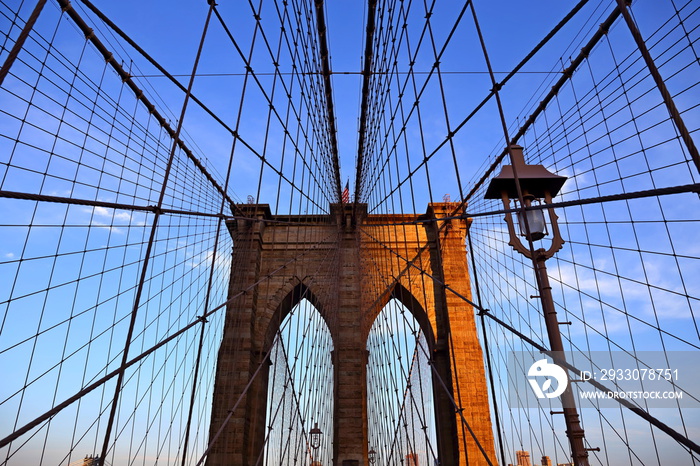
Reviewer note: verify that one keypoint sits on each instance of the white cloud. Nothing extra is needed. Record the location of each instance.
(108, 227)
(110, 213)
(106, 217)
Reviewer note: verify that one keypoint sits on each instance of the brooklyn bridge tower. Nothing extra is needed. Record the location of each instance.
(354, 265)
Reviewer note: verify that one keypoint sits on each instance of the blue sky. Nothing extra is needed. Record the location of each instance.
(172, 41)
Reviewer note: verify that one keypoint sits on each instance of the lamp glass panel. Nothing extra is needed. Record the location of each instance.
(536, 222)
(315, 435)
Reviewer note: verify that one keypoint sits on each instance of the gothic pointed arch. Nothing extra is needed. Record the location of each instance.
(405, 297)
(290, 299)
(300, 376)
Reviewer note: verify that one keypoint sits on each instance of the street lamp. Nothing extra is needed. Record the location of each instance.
(315, 437)
(372, 456)
(537, 186)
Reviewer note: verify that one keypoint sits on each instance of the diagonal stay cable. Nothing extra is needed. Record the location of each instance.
(364, 106)
(19, 43)
(414, 107)
(566, 75)
(310, 94)
(153, 62)
(326, 71)
(126, 77)
(249, 68)
(659, 80)
(147, 254)
(123, 367)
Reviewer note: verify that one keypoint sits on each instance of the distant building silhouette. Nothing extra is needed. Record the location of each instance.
(523, 458)
(91, 460)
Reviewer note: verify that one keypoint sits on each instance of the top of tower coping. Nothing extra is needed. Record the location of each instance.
(339, 212)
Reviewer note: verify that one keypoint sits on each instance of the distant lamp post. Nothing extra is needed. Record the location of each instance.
(372, 456)
(537, 187)
(315, 437)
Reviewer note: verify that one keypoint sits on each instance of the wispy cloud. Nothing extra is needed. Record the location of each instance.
(104, 217)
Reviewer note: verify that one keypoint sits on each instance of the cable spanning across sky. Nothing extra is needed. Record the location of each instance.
(135, 136)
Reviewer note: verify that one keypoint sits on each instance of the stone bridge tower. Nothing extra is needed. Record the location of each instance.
(349, 265)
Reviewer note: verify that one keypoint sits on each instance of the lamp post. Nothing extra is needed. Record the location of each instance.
(315, 440)
(372, 456)
(529, 186)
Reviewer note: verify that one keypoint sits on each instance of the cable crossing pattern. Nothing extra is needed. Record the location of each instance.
(152, 155)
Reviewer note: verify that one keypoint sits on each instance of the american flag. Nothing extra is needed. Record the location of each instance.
(346, 193)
